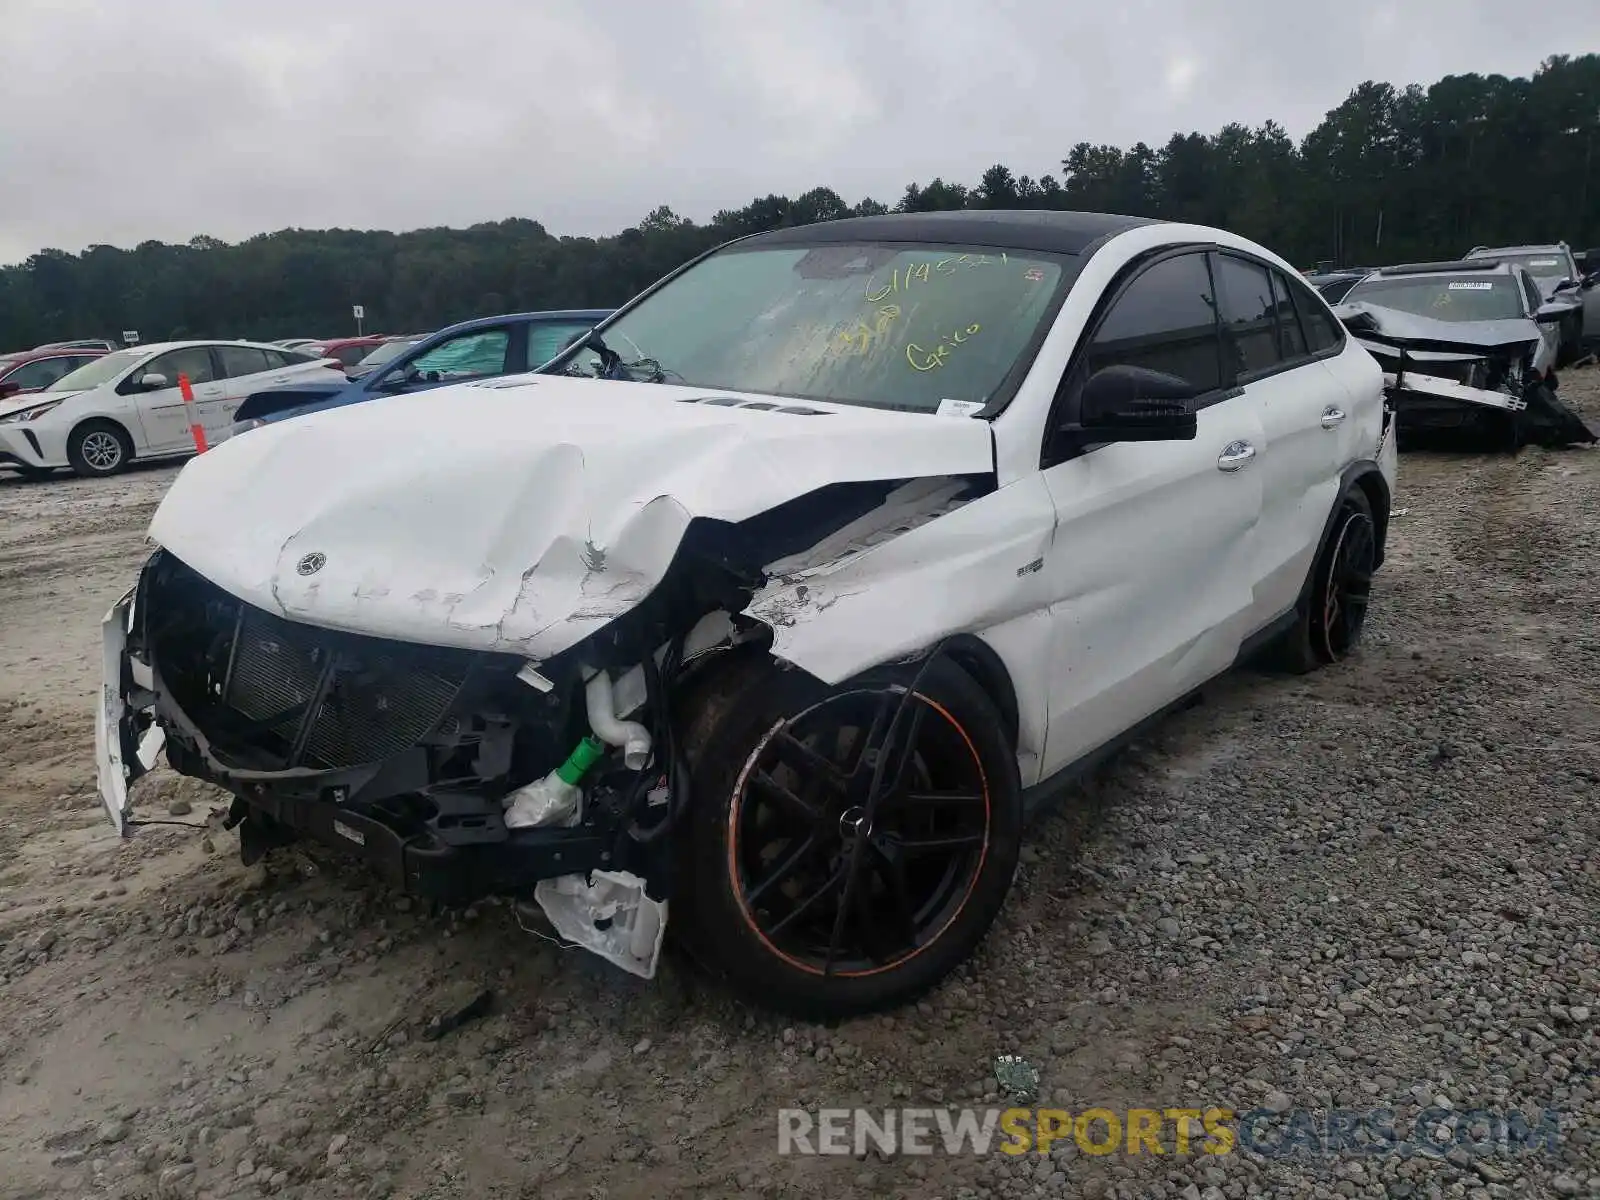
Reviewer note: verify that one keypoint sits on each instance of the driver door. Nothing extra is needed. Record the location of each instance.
(1151, 571)
(163, 415)
(473, 354)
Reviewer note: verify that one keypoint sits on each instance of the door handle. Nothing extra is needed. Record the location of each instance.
(1234, 455)
(280, 379)
(1331, 416)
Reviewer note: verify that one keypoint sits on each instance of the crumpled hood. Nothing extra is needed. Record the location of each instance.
(24, 400)
(516, 514)
(1390, 326)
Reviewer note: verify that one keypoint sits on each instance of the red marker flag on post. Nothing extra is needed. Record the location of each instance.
(198, 434)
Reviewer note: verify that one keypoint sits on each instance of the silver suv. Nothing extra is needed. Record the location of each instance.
(1559, 277)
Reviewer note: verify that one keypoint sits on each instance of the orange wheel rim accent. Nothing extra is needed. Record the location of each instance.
(741, 785)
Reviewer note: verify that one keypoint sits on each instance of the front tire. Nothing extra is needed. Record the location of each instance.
(99, 448)
(812, 892)
(1333, 612)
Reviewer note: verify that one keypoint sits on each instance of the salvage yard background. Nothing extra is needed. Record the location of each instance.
(1375, 885)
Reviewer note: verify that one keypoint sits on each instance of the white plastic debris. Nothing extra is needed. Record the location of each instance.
(610, 916)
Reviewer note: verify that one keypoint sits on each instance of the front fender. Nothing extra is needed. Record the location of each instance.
(972, 571)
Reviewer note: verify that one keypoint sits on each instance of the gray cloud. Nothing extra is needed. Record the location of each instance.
(168, 118)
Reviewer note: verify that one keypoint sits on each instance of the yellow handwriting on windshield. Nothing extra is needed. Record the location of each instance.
(932, 360)
(862, 337)
(903, 279)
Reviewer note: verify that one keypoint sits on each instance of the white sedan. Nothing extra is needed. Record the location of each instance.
(129, 405)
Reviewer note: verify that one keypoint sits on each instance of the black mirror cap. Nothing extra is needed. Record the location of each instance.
(1126, 403)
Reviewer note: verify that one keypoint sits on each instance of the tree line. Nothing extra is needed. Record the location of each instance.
(1390, 175)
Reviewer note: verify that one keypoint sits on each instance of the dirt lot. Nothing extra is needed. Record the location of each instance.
(1377, 886)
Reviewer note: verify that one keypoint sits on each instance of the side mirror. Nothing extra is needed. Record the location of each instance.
(153, 382)
(1125, 403)
(8, 390)
(1552, 314)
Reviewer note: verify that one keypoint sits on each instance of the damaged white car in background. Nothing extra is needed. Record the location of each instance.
(775, 604)
(1468, 351)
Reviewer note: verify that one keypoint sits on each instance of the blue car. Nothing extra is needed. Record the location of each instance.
(478, 349)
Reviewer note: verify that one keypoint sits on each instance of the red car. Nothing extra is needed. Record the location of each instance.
(349, 351)
(30, 370)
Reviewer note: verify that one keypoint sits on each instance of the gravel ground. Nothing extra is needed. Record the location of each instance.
(1377, 886)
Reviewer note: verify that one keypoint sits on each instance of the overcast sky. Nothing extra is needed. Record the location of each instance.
(122, 120)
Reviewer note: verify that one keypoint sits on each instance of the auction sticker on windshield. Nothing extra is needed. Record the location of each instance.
(1471, 286)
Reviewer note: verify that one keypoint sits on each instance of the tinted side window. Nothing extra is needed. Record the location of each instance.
(1164, 321)
(1249, 327)
(193, 361)
(1322, 331)
(1291, 338)
(242, 360)
(349, 356)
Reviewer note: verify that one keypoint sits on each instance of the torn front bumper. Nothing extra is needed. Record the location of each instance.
(1429, 406)
(136, 718)
(125, 746)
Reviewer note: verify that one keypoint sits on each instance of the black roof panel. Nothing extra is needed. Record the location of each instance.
(1004, 229)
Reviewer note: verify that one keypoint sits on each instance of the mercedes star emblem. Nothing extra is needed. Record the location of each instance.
(311, 564)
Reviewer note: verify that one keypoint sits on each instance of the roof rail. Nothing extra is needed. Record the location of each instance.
(1433, 268)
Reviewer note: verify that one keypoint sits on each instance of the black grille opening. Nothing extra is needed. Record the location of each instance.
(269, 693)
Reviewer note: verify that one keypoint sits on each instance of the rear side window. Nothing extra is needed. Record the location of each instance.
(1249, 323)
(1321, 329)
(349, 356)
(1164, 321)
(1291, 338)
(287, 358)
(242, 360)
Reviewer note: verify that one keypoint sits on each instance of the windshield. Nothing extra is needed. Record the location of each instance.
(101, 370)
(1547, 268)
(882, 325)
(1445, 298)
(386, 353)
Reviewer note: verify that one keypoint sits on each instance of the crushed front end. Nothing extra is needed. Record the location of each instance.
(408, 756)
(1478, 384)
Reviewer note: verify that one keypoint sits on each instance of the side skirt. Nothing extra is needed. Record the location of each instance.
(1047, 793)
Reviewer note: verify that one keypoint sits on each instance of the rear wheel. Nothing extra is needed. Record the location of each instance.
(98, 448)
(1334, 611)
(850, 845)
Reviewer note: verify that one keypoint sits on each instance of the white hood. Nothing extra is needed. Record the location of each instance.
(518, 514)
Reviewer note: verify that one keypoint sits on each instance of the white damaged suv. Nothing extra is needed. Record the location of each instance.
(779, 601)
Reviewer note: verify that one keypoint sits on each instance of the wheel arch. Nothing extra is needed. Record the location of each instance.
(1366, 476)
(101, 419)
(979, 660)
